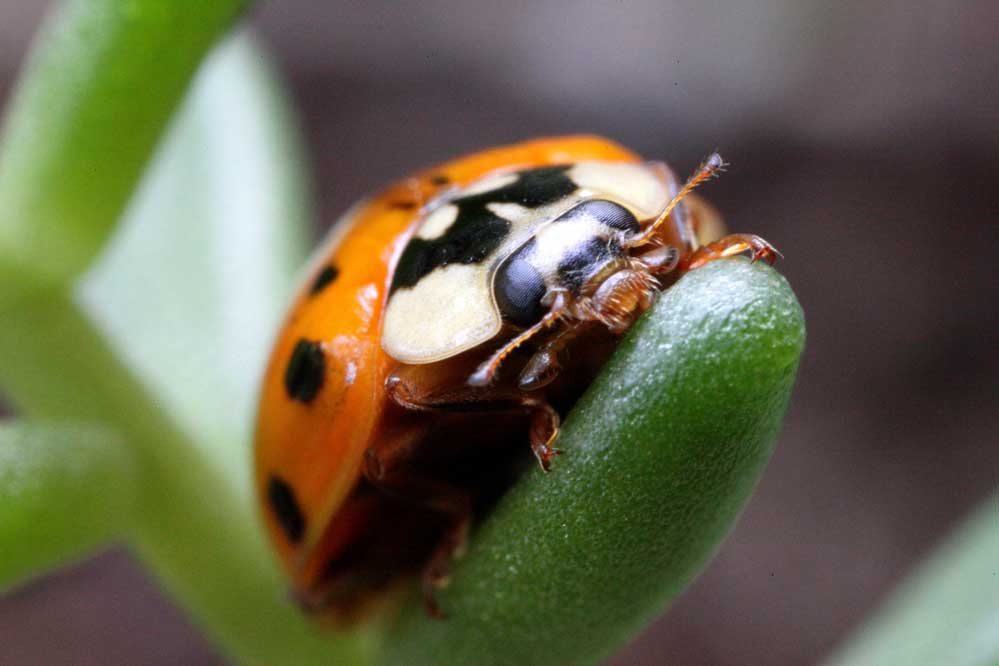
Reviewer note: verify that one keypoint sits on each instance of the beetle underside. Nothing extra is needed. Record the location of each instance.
(452, 441)
(449, 452)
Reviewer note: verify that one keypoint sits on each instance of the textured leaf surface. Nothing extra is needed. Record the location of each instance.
(661, 454)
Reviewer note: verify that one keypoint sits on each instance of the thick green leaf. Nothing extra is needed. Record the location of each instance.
(947, 612)
(661, 454)
(96, 93)
(190, 288)
(64, 491)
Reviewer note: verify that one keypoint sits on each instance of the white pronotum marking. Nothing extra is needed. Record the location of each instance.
(453, 309)
(634, 186)
(448, 312)
(438, 222)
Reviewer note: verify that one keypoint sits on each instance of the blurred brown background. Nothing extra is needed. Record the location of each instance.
(863, 139)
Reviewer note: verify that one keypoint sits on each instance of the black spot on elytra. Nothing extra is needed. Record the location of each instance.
(402, 205)
(476, 231)
(325, 277)
(439, 179)
(289, 515)
(303, 377)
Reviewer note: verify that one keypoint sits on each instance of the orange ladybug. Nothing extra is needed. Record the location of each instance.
(424, 353)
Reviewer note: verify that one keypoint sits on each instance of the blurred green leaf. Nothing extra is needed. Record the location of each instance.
(97, 91)
(196, 531)
(948, 610)
(65, 490)
(661, 454)
(196, 526)
(191, 286)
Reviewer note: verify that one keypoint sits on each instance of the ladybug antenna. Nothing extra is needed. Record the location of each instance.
(709, 167)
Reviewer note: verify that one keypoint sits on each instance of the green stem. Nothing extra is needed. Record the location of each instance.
(65, 490)
(191, 528)
(96, 93)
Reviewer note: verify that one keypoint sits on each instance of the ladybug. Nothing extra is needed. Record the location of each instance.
(428, 347)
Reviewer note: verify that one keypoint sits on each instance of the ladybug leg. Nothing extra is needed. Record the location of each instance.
(661, 259)
(486, 372)
(545, 423)
(419, 388)
(385, 466)
(544, 366)
(437, 572)
(730, 246)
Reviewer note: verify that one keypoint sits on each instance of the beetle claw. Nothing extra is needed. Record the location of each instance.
(765, 251)
(431, 606)
(544, 454)
(732, 245)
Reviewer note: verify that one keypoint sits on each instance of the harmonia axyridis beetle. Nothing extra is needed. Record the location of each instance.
(422, 354)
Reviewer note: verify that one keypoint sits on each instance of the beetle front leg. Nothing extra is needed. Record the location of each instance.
(544, 366)
(421, 388)
(730, 246)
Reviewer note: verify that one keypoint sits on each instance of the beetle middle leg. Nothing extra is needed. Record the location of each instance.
(385, 467)
(443, 389)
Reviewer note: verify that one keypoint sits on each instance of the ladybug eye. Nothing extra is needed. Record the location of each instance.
(520, 288)
(607, 213)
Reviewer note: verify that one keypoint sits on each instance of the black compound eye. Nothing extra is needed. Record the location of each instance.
(520, 288)
(609, 213)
